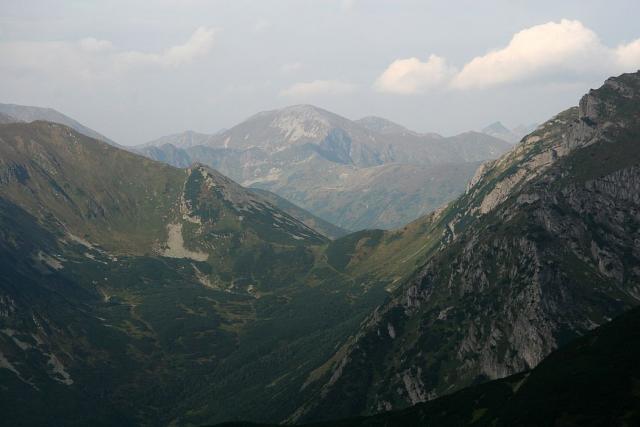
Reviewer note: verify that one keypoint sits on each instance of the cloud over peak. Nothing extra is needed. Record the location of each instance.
(407, 76)
(539, 52)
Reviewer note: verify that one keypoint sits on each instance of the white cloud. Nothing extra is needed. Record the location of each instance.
(198, 45)
(546, 51)
(91, 58)
(546, 48)
(627, 56)
(408, 76)
(319, 87)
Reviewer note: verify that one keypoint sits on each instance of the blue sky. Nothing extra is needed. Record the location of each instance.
(136, 70)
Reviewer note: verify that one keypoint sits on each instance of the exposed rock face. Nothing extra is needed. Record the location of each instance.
(542, 247)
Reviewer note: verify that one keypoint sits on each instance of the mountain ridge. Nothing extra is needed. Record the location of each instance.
(337, 168)
(30, 113)
(537, 251)
(120, 272)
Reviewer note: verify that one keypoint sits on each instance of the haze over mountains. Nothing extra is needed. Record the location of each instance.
(513, 136)
(138, 293)
(369, 173)
(25, 113)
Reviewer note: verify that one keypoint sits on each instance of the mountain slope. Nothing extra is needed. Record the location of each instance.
(137, 293)
(541, 248)
(382, 125)
(185, 139)
(5, 118)
(25, 113)
(592, 381)
(339, 169)
(323, 227)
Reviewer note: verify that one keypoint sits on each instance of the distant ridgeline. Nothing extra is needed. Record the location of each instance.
(369, 173)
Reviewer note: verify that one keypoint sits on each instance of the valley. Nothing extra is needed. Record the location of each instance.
(192, 290)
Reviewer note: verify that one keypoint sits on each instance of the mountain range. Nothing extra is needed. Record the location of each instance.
(369, 173)
(119, 272)
(513, 136)
(138, 293)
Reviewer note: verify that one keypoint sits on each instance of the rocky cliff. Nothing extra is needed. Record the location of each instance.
(543, 246)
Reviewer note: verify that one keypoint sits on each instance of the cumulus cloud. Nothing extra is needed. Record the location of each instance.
(319, 87)
(90, 57)
(407, 76)
(627, 56)
(550, 47)
(543, 51)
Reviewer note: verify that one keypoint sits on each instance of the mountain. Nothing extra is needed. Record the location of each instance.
(339, 169)
(500, 131)
(5, 118)
(382, 125)
(25, 113)
(133, 292)
(541, 248)
(592, 381)
(522, 130)
(185, 139)
(317, 224)
(387, 195)
(513, 136)
(167, 153)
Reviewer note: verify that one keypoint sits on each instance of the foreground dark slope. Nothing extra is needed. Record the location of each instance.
(136, 293)
(592, 381)
(543, 247)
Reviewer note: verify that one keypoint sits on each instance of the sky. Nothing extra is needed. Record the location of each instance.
(138, 70)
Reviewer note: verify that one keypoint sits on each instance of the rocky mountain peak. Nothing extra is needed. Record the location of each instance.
(496, 127)
(499, 130)
(613, 98)
(302, 121)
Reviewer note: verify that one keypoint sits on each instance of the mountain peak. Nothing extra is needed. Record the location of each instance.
(499, 130)
(495, 127)
(302, 120)
(616, 97)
